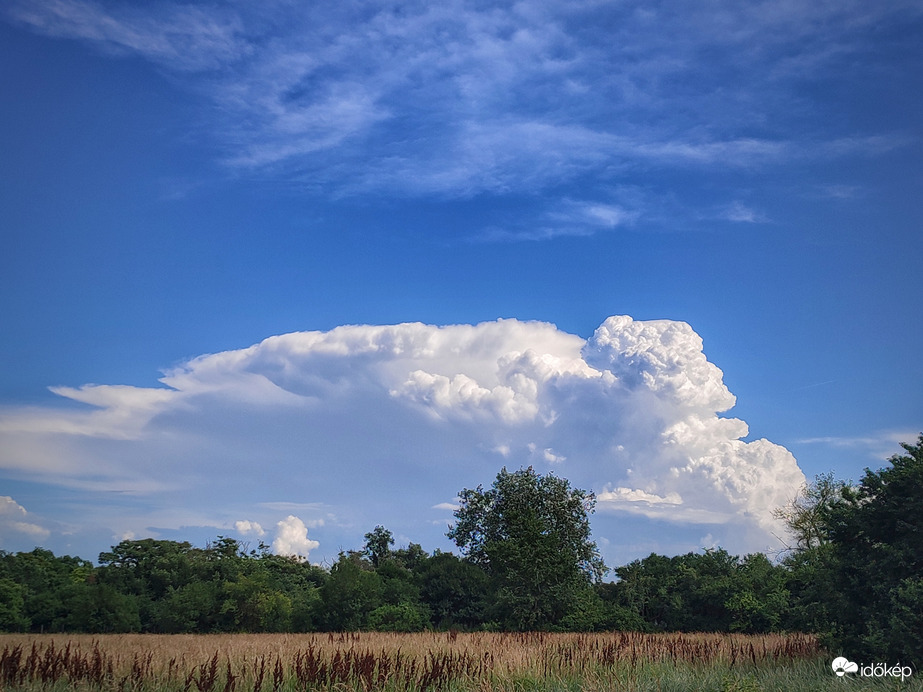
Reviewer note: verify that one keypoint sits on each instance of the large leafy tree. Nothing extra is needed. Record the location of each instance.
(531, 534)
(876, 530)
(352, 591)
(378, 544)
(811, 560)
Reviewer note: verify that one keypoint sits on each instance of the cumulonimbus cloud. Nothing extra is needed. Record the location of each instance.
(380, 417)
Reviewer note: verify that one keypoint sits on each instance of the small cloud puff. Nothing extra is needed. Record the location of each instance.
(546, 455)
(292, 538)
(249, 528)
(741, 213)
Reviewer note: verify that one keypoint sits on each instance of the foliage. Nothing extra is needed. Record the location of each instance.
(531, 535)
(378, 545)
(806, 515)
(12, 607)
(711, 591)
(400, 617)
(854, 575)
(455, 591)
(350, 594)
(855, 572)
(43, 585)
(876, 530)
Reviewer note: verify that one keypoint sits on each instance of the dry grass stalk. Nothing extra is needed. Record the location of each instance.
(366, 661)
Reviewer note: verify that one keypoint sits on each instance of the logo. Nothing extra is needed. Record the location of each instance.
(842, 665)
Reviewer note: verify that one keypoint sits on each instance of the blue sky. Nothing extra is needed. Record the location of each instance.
(182, 179)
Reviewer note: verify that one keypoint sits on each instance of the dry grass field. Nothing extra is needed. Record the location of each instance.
(425, 661)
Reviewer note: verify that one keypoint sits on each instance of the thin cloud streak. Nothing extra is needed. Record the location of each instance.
(447, 99)
(180, 37)
(880, 446)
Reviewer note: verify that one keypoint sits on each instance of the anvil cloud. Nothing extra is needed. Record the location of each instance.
(631, 413)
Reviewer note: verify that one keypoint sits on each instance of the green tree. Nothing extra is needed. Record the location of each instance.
(760, 599)
(413, 557)
(455, 591)
(300, 581)
(683, 593)
(352, 591)
(811, 562)
(99, 608)
(162, 586)
(531, 534)
(710, 591)
(400, 617)
(12, 607)
(876, 530)
(378, 544)
(251, 605)
(192, 608)
(806, 515)
(616, 615)
(45, 584)
(148, 568)
(645, 588)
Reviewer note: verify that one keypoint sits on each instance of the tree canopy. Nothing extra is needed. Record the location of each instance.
(853, 574)
(877, 533)
(378, 545)
(531, 535)
(856, 573)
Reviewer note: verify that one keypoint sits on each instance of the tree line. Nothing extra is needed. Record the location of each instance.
(853, 574)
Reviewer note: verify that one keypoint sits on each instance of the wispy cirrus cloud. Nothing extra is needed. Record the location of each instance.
(566, 218)
(457, 99)
(878, 446)
(178, 36)
(739, 212)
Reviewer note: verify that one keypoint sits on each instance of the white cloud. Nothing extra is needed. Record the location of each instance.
(249, 528)
(566, 218)
(460, 99)
(121, 412)
(552, 458)
(619, 495)
(879, 446)
(663, 357)
(292, 538)
(840, 191)
(183, 37)
(370, 422)
(14, 518)
(741, 213)
(546, 455)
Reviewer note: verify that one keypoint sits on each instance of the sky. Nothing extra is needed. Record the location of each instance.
(286, 271)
